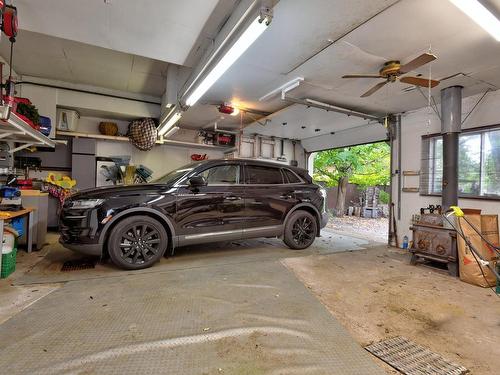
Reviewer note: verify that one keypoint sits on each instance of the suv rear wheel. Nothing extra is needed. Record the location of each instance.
(300, 230)
(137, 242)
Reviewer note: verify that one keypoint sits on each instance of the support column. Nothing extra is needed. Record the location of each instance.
(451, 121)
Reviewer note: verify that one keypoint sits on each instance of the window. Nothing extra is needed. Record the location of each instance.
(222, 175)
(263, 175)
(478, 164)
(292, 177)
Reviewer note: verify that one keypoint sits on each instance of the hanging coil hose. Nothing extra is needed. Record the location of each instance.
(456, 211)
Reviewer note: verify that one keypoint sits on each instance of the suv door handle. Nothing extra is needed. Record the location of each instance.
(286, 196)
(232, 198)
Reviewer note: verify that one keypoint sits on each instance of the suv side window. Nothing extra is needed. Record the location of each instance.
(292, 177)
(259, 175)
(228, 174)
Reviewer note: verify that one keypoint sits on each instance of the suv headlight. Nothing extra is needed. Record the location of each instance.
(82, 204)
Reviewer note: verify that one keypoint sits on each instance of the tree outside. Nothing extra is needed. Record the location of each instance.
(363, 165)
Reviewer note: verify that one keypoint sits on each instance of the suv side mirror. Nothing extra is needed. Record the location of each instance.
(197, 181)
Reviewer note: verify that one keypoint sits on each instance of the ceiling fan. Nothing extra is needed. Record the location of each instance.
(393, 70)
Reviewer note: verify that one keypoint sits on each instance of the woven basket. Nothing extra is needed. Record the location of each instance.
(108, 128)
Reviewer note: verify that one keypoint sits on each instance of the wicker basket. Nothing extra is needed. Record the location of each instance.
(108, 128)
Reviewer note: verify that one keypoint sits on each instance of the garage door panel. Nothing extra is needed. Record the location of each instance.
(349, 137)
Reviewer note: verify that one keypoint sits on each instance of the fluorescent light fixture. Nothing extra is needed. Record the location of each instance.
(171, 132)
(246, 39)
(480, 15)
(170, 122)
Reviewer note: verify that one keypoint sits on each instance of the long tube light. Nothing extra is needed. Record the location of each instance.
(480, 15)
(171, 132)
(170, 123)
(250, 35)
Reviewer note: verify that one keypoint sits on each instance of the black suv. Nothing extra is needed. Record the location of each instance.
(216, 200)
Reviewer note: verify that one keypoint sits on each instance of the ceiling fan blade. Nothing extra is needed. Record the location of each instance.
(423, 82)
(416, 63)
(378, 86)
(362, 76)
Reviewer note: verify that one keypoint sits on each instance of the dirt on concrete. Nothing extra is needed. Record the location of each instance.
(376, 294)
(375, 229)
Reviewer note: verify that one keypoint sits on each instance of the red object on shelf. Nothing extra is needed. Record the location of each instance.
(28, 121)
(198, 157)
(25, 184)
(227, 109)
(18, 99)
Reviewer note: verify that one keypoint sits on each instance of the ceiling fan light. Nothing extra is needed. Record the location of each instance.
(480, 15)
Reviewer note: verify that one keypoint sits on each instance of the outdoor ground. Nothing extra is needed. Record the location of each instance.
(374, 229)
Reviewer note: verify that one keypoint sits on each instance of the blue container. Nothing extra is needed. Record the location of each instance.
(18, 225)
(405, 242)
(45, 125)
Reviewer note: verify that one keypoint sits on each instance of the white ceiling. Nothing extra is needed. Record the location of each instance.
(403, 31)
(159, 29)
(320, 40)
(44, 56)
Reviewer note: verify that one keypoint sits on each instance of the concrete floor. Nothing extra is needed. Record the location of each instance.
(376, 294)
(225, 308)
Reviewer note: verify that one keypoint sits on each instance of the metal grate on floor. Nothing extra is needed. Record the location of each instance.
(78, 264)
(410, 358)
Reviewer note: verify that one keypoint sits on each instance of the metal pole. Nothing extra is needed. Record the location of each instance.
(400, 147)
(451, 120)
(391, 131)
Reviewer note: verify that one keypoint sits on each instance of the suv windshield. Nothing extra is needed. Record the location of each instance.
(176, 174)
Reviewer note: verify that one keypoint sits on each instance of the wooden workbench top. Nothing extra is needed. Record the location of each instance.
(5, 215)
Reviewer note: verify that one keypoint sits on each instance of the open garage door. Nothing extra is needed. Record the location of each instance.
(318, 129)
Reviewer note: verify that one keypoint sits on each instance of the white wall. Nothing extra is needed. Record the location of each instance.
(44, 99)
(48, 99)
(416, 124)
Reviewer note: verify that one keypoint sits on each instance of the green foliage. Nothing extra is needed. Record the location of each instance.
(383, 197)
(30, 111)
(364, 165)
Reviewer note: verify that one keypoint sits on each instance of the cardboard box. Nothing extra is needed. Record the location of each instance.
(470, 270)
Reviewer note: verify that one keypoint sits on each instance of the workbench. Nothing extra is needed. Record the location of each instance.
(9, 215)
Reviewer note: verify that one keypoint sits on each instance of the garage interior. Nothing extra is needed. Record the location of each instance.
(99, 94)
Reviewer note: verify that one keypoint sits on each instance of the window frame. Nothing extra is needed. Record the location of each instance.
(238, 174)
(278, 168)
(183, 181)
(283, 170)
(481, 131)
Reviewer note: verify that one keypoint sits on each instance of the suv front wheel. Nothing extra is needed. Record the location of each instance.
(137, 242)
(300, 230)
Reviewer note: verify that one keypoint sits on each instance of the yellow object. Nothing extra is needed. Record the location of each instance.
(457, 211)
(62, 181)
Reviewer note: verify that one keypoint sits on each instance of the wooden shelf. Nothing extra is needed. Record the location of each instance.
(14, 129)
(168, 142)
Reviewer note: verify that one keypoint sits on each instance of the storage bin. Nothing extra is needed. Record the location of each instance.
(9, 253)
(67, 120)
(45, 125)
